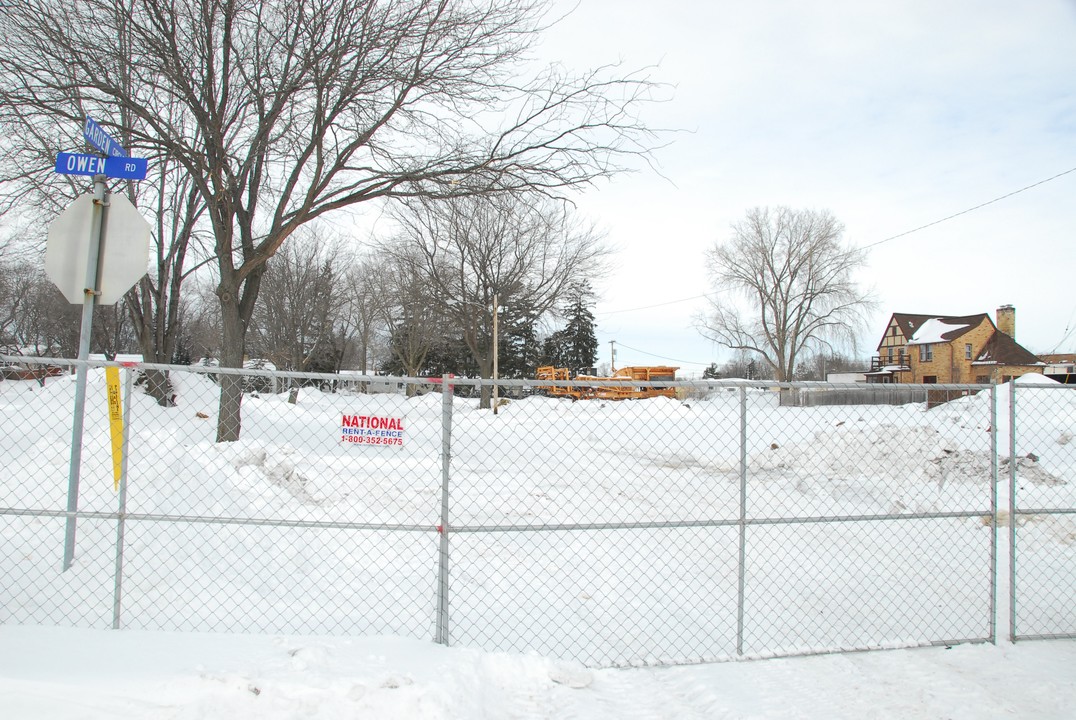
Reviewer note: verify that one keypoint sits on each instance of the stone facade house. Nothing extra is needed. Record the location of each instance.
(952, 349)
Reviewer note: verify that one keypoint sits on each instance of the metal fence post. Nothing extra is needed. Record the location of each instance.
(121, 516)
(994, 514)
(1012, 510)
(443, 556)
(741, 565)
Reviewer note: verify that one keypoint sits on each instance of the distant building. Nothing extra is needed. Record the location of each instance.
(841, 378)
(1060, 367)
(952, 349)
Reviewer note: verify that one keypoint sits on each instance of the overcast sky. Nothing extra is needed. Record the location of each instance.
(891, 115)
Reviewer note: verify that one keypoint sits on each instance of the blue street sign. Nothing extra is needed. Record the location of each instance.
(126, 168)
(96, 136)
(79, 164)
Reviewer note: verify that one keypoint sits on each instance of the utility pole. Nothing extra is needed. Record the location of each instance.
(495, 354)
(612, 356)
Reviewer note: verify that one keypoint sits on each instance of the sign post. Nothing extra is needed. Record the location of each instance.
(97, 220)
(121, 261)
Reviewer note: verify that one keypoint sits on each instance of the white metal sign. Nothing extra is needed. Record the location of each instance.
(124, 249)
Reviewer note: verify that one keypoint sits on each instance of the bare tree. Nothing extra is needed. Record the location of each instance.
(35, 318)
(294, 321)
(284, 110)
(168, 198)
(794, 273)
(155, 304)
(361, 314)
(200, 334)
(410, 309)
(819, 365)
(527, 251)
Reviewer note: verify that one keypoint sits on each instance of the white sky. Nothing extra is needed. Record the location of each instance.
(891, 115)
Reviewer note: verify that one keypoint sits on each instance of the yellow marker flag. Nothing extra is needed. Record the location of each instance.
(115, 421)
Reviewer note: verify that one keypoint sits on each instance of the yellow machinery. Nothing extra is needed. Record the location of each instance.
(581, 390)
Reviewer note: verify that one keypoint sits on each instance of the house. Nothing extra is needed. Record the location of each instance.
(952, 349)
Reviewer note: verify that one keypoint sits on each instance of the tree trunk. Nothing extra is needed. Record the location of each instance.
(485, 371)
(159, 387)
(229, 418)
(143, 310)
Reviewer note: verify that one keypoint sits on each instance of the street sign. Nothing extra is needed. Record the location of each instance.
(127, 168)
(79, 164)
(96, 136)
(124, 249)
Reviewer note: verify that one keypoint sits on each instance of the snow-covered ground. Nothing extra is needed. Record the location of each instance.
(73, 674)
(653, 592)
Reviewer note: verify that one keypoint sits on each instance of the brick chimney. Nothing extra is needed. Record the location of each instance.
(1007, 320)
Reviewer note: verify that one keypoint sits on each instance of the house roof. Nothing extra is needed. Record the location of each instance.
(919, 329)
(1003, 350)
(1058, 358)
(1000, 348)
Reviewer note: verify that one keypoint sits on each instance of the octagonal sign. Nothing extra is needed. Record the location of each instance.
(124, 249)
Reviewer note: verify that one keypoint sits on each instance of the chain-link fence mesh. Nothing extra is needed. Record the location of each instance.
(293, 528)
(721, 523)
(1040, 474)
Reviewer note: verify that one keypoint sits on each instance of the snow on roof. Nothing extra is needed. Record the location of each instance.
(932, 330)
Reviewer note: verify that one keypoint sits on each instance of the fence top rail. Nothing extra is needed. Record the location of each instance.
(217, 370)
(1020, 387)
(350, 377)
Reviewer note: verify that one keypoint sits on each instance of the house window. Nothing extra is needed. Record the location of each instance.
(930, 379)
(926, 353)
(982, 379)
(967, 351)
(890, 354)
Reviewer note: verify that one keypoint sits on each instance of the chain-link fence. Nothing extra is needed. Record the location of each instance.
(717, 524)
(1040, 471)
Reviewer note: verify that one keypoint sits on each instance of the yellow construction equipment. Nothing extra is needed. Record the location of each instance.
(581, 389)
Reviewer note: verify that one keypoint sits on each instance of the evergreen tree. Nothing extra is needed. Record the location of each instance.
(576, 346)
(518, 348)
(581, 342)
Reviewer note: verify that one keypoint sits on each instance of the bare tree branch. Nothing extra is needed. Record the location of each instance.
(526, 251)
(280, 111)
(796, 278)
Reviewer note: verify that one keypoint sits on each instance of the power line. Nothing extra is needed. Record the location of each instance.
(647, 307)
(865, 247)
(971, 209)
(662, 357)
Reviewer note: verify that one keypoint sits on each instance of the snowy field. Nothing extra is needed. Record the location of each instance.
(581, 534)
(75, 674)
